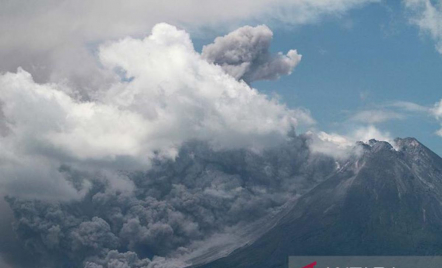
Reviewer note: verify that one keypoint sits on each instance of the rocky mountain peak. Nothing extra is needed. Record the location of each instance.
(408, 144)
(388, 201)
(376, 145)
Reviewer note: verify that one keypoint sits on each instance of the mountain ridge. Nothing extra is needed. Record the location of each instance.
(387, 201)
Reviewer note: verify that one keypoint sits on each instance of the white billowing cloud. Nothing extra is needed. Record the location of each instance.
(244, 54)
(169, 94)
(375, 116)
(43, 118)
(427, 15)
(52, 39)
(182, 95)
(343, 146)
(331, 144)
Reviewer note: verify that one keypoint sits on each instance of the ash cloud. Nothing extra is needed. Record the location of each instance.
(244, 54)
(174, 204)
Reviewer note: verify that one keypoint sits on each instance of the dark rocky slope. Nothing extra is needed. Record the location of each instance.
(388, 201)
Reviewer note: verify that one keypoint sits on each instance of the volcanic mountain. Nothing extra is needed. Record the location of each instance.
(385, 201)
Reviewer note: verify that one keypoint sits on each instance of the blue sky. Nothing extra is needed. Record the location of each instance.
(365, 60)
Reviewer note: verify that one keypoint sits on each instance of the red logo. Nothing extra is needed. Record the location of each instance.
(311, 265)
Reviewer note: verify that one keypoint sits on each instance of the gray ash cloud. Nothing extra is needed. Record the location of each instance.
(244, 54)
(177, 202)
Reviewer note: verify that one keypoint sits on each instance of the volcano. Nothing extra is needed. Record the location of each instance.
(387, 201)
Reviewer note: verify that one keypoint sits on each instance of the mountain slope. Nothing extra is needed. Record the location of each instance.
(388, 201)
